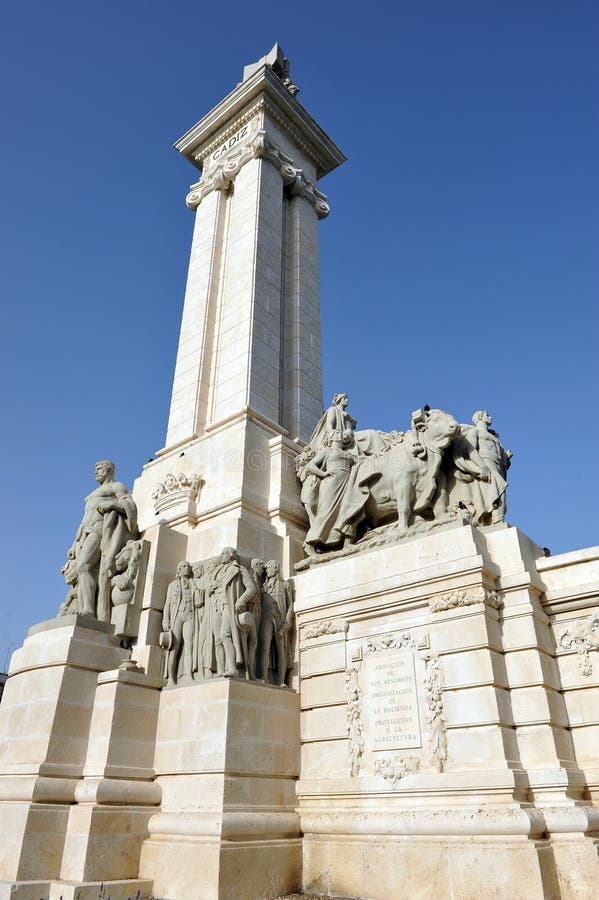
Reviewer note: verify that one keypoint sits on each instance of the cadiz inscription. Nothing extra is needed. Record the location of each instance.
(233, 141)
(389, 685)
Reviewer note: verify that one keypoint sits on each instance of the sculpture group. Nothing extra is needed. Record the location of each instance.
(103, 560)
(355, 481)
(224, 617)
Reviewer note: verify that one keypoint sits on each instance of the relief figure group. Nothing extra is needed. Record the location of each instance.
(224, 617)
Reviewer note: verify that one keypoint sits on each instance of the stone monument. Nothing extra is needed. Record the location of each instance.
(299, 654)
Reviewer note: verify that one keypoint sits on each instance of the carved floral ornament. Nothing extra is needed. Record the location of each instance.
(176, 487)
(326, 626)
(582, 635)
(467, 597)
(222, 176)
(395, 768)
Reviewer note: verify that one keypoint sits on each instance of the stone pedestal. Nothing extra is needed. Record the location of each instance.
(227, 756)
(437, 758)
(118, 794)
(45, 719)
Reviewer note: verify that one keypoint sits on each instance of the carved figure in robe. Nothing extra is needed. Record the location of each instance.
(178, 624)
(199, 605)
(213, 650)
(236, 588)
(254, 607)
(277, 625)
(476, 471)
(309, 482)
(334, 420)
(333, 467)
(109, 521)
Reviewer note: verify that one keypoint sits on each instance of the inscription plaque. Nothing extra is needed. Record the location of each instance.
(390, 701)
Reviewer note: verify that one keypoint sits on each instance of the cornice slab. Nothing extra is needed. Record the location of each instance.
(326, 154)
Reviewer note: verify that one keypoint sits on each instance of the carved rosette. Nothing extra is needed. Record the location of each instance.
(177, 489)
(222, 176)
(582, 635)
(467, 597)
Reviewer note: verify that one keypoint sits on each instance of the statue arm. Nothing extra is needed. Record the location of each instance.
(249, 590)
(166, 615)
(313, 467)
(289, 603)
(124, 504)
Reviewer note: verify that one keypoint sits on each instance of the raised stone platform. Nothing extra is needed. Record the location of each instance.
(227, 756)
(438, 754)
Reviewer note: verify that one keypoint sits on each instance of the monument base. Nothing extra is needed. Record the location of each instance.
(45, 719)
(446, 723)
(227, 757)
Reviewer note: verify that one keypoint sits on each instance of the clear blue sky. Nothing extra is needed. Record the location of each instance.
(459, 264)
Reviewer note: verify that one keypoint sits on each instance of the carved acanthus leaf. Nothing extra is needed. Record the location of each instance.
(327, 626)
(467, 597)
(582, 636)
(396, 768)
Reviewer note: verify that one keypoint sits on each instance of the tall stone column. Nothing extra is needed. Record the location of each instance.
(247, 387)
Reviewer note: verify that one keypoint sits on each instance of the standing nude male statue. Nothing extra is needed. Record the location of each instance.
(109, 521)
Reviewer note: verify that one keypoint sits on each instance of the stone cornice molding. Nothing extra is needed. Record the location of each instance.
(262, 85)
(223, 174)
(262, 105)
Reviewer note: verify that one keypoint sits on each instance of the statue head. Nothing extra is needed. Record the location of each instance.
(481, 415)
(104, 470)
(340, 439)
(272, 568)
(340, 400)
(259, 569)
(183, 569)
(197, 569)
(228, 554)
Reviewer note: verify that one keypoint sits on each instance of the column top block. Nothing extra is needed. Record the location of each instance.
(262, 86)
